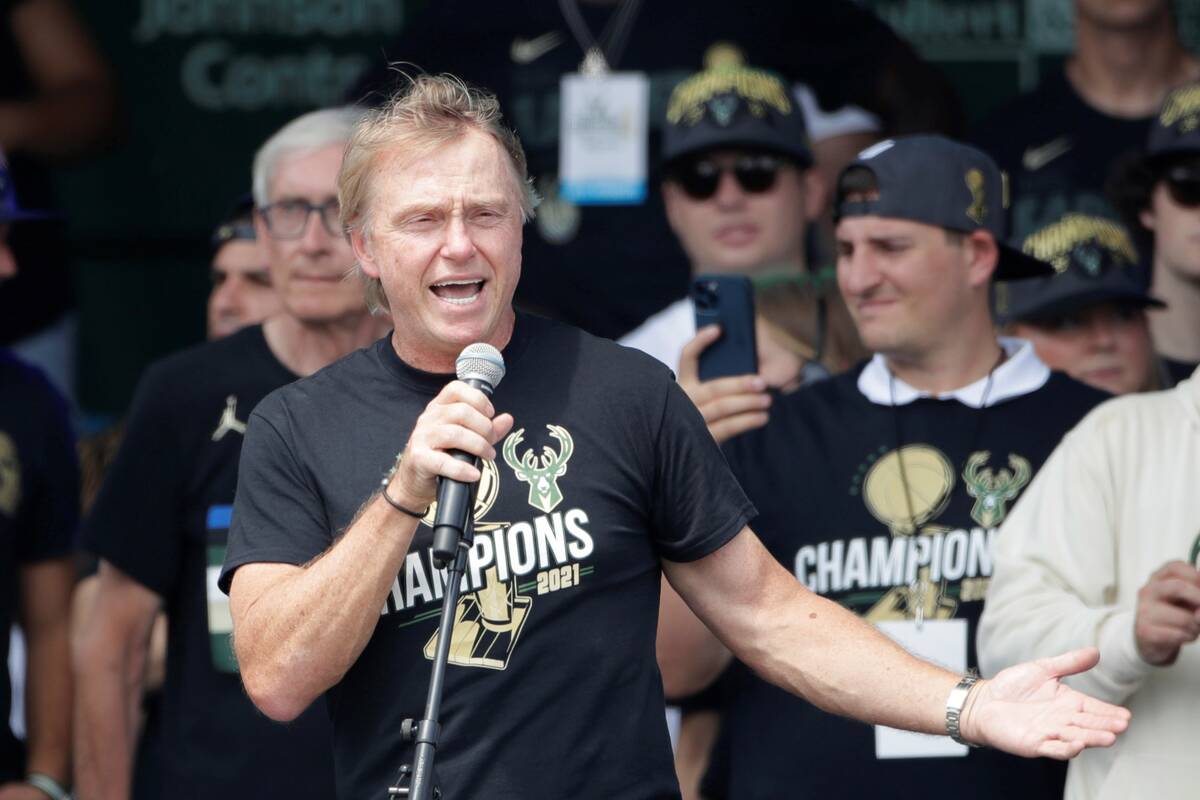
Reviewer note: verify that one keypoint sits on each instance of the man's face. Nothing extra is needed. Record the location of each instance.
(1175, 224)
(906, 285)
(8, 262)
(241, 293)
(444, 237)
(309, 272)
(735, 230)
(1107, 346)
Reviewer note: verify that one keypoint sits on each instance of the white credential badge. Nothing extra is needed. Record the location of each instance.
(944, 642)
(602, 144)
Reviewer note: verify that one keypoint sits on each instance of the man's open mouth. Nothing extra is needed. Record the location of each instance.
(459, 293)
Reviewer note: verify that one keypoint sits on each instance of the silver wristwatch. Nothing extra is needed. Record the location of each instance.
(954, 708)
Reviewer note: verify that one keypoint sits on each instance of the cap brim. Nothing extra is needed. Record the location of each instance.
(1066, 304)
(702, 141)
(1016, 265)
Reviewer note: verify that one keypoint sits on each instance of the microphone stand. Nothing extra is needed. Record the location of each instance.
(416, 781)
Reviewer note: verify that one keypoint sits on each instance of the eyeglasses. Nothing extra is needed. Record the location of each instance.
(287, 219)
(1184, 186)
(699, 179)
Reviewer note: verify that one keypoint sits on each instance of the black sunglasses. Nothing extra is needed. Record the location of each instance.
(1184, 185)
(700, 178)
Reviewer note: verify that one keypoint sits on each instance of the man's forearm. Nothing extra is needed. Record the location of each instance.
(105, 732)
(48, 701)
(844, 665)
(298, 630)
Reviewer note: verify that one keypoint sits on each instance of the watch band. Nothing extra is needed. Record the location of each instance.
(954, 707)
(48, 786)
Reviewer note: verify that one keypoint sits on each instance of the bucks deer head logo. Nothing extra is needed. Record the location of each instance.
(994, 490)
(540, 472)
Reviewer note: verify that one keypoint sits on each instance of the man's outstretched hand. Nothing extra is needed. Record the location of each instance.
(1027, 711)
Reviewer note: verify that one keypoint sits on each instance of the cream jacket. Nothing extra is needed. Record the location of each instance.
(1118, 499)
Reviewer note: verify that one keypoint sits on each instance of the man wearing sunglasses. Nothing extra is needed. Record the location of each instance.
(740, 191)
(1159, 196)
(160, 521)
(1089, 318)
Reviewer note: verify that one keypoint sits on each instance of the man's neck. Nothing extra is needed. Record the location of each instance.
(786, 267)
(1127, 72)
(440, 361)
(1176, 329)
(952, 366)
(305, 348)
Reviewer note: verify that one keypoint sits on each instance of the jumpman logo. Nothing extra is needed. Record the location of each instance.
(229, 421)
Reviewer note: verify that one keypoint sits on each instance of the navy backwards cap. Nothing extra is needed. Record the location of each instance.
(1094, 262)
(10, 209)
(234, 224)
(735, 106)
(1176, 129)
(938, 181)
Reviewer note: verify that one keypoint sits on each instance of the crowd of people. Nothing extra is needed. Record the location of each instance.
(918, 547)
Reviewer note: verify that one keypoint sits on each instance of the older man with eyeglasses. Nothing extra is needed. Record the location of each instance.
(160, 521)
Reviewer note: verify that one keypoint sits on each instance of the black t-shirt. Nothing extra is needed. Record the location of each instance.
(39, 504)
(832, 494)
(162, 517)
(1178, 370)
(1058, 152)
(553, 689)
(607, 268)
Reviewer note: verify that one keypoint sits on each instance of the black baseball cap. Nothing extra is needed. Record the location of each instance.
(733, 105)
(1176, 129)
(237, 224)
(10, 209)
(938, 181)
(1094, 262)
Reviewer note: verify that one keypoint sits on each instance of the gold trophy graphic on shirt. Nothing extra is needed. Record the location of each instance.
(10, 476)
(904, 490)
(487, 624)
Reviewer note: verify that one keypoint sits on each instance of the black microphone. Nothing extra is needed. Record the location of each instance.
(480, 366)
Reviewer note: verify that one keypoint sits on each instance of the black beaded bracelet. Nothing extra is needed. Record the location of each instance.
(402, 509)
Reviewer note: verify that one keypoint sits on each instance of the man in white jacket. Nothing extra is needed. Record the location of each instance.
(1102, 550)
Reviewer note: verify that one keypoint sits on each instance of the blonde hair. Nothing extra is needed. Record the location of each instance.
(429, 111)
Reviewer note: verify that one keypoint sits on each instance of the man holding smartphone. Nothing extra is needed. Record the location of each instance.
(882, 488)
(740, 191)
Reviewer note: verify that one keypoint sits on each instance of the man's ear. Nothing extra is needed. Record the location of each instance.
(982, 257)
(671, 202)
(364, 254)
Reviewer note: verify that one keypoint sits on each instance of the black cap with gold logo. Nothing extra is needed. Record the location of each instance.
(732, 105)
(1176, 129)
(1094, 262)
(938, 181)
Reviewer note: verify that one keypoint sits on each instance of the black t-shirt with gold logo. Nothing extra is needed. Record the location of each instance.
(39, 504)
(162, 517)
(552, 689)
(890, 511)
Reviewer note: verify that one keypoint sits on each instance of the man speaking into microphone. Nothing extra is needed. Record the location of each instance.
(596, 476)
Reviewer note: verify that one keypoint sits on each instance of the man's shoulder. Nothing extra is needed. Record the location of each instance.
(1025, 120)
(579, 351)
(327, 391)
(818, 413)
(1115, 416)
(1068, 397)
(209, 364)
